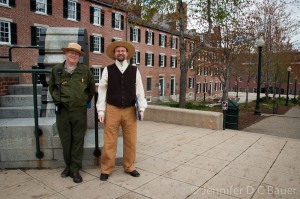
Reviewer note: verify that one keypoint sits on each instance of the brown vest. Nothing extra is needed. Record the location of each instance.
(121, 88)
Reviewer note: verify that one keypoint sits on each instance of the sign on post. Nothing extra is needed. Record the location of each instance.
(224, 105)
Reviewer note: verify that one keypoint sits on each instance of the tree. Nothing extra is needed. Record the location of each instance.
(223, 42)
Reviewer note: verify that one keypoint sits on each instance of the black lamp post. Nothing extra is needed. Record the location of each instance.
(295, 90)
(260, 44)
(287, 87)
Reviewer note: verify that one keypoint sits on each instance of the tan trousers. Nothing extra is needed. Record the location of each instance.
(114, 117)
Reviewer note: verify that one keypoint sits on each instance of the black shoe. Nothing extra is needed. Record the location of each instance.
(76, 177)
(103, 177)
(134, 173)
(65, 173)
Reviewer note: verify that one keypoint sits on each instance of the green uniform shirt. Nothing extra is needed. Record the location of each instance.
(76, 89)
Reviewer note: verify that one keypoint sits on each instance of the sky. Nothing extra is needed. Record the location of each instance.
(294, 6)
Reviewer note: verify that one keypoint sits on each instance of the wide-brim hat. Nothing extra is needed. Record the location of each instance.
(73, 47)
(110, 50)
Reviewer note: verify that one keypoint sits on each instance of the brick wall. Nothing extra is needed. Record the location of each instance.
(5, 82)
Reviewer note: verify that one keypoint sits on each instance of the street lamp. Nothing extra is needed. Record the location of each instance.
(260, 44)
(295, 90)
(287, 87)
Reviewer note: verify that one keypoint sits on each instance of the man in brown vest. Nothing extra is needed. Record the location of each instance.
(120, 87)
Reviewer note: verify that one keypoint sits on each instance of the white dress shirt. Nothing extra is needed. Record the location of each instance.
(102, 88)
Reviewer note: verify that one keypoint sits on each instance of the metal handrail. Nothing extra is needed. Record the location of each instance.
(10, 49)
(37, 131)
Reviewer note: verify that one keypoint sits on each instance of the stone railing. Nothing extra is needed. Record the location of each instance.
(188, 117)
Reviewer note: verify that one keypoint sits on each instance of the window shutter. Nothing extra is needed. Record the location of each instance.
(159, 40)
(92, 43)
(102, 18)
(146, 36)
(13, 33)
(131, 60)
(171, 40)
(146, 58)
(33, 5)
(78, 8)
(131, 34)
(113, 18)
(112, 40)
(152, 38)
(176, 44)
(33, 36)
(122, 22)
(12, 3)
(139, 57)
(139, 36)
(176, 62)
(65, 8)
(152, 59)
(159, 60)
(102, 45)
(165, 64)
(165, 40)
(171, 61)
(49, 7)
(91, 14)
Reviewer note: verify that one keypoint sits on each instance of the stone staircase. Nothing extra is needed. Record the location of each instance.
(17, 138)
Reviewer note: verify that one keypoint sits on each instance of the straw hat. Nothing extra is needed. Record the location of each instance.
(73, 47)
(110, 50)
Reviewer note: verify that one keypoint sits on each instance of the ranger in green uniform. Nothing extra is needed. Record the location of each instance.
(72, 87)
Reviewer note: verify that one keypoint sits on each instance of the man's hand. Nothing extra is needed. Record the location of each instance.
(101, 118)
(142, 115)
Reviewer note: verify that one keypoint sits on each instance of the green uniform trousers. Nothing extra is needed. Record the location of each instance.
(71, 127)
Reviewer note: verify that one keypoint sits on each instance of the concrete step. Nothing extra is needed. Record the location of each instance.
(23, 89)
(17, 112)
(18, 100)
(18, 144)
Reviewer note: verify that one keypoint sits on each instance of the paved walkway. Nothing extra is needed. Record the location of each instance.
(287, 125)
(178, 162)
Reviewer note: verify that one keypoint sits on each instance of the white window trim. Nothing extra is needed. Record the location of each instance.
(98, 67)
(163, 65)
(149, 54)
(135, 37)
(39, 12)
(100, 9)
(100, 36)
(75, 16)
(5, 4)
(119, 20)
(9, 33)
(150, 32)
(174, 43)
(173, 57)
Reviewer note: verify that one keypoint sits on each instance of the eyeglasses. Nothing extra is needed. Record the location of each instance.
(120, 51)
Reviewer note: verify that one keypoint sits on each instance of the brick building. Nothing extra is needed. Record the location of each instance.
(157, 53)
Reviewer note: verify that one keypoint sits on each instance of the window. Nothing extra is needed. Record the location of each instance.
(173, 61)
(205, 70)
(198, 87)
(162, 62)
(162, 40)
(149, 59)
(4, 2)
(192, 46)
(96, 16)
(117, 21)
(191, 65)
(221, 86)
(149, 84)
(97, 44)
(41, 6)
(149, 37)
(135, 34)
(8, 32)
(173, 85)
(205, 87)
(191, 82)
(173, 42)
(35, 35)
(97, 71)
(71, 10)
(216, 86)
(135, 60)
(199, 71)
